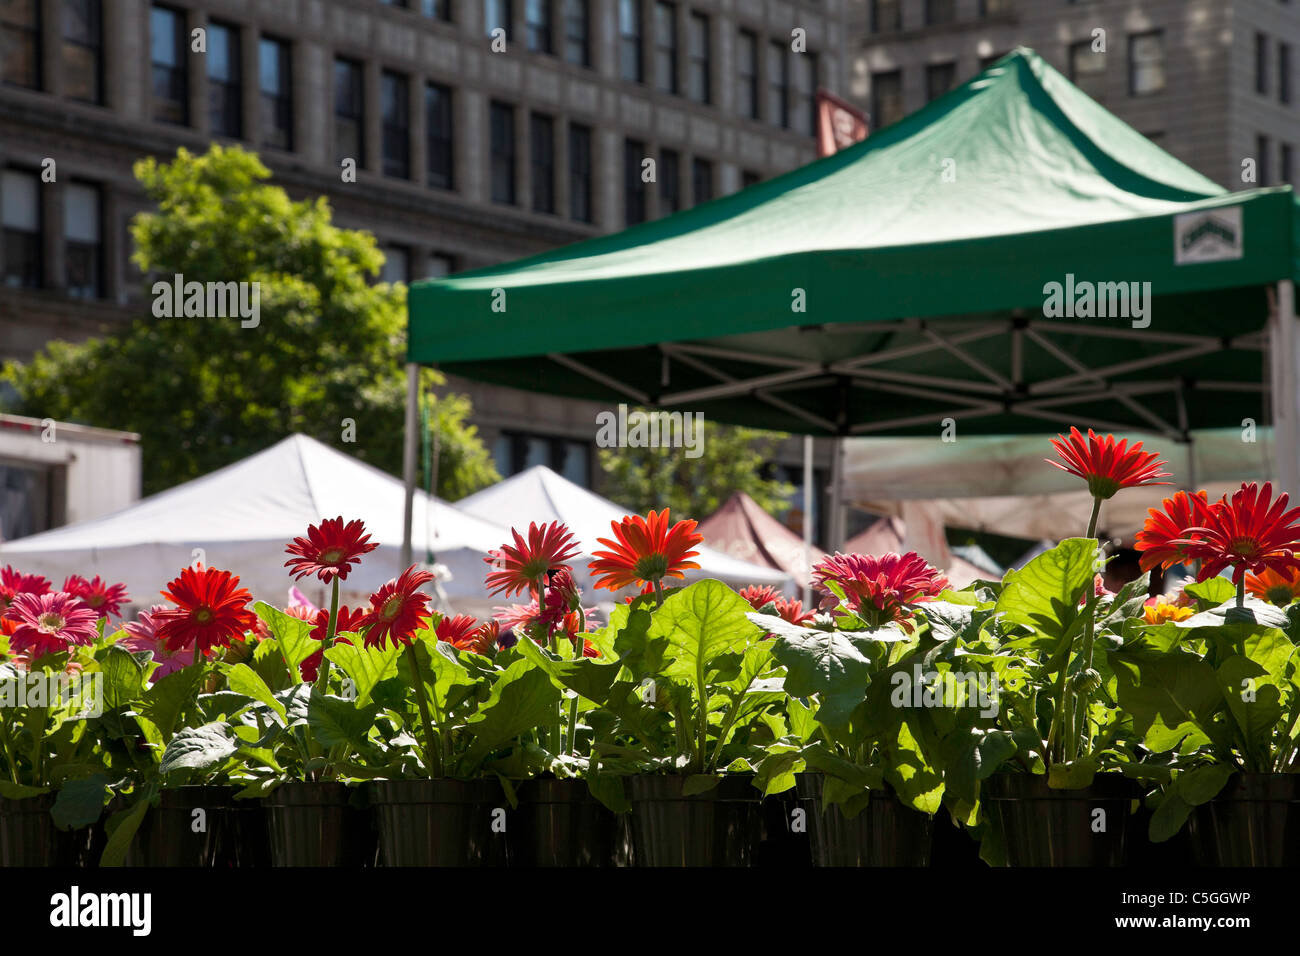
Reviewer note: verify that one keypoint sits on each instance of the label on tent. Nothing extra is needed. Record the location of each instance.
(1215, 235)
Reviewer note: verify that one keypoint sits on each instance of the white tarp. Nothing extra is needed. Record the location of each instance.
(243, 515)
(540, 495)
(1003, 484)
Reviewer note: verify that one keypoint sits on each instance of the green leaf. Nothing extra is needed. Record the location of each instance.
(80, 802)
(20, 791)
(701, 623)
(1045, 594)
(242, 679)
(123, 678)
(699, 783)
(365, 666)
(122, 827)
(1255, 612)
(830, 664)
(587, 677)
(1202, 784)
(198, 748)
(522, 698)
(166, 700)
(335, 720)
(1074, 775)
(291, 635)
(1211, 593)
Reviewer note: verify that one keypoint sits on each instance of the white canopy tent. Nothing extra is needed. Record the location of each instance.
(240, 517)
(540, 495)
(1003, 484)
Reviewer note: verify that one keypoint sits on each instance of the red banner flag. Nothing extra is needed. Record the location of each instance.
(839, 124)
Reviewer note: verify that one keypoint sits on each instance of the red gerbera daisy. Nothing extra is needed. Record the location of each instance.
(647, 551)
(522, 566)
(1276, 587)
(1106, 466)
(879, 588)
(1250, 532)
(465, 633)
(349, 621)
(1167, 525)
(765, 596)
(399, 609)
(329, 550)
(101, 597)
(211, 610)
(50, 622)
(12, 582)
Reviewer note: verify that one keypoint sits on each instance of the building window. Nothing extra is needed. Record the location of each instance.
(665, 47)
(1261, 153)
(804, 111)
(1284, 72)
(537, 25)
(541, 135)
(886, 16)
(438, 125)
(276, 89)
(698, 85)
(1146, 64)
(498, 15)
(167, 51)
(939, 12)
(778, 84)
(747, 75)
(395, 110)
(514, 452)
(670, 181)
(1088, 69)
(397, 264)
(82, 250)
(20, 43)
(631, 62)
(349, 112)
(83, 42)
(701, 180)
(633, 186)
(1261, 64)
(939, 79)
(1286, 166)
(436, 9)
(20, 200)
(579, 172)
(886, 98)
(577, 32)
(440, 264)
(502, 121)
(225, 81)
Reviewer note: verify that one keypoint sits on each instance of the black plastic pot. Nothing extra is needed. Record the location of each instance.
(319, 824)
(561, 824)
(720, 827)
(228, 832)
(28, 836)
(951, 845)
(1254, 821)
(441, 822)
(1140, 853)
(885, 833)
(785, 844)
(1046, 827)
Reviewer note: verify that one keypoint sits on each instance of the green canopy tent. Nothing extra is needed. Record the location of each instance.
(1011, 257)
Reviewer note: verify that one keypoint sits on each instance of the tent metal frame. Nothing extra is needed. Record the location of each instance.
(990, 393)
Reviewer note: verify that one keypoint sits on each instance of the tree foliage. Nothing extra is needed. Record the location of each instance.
(206, 391)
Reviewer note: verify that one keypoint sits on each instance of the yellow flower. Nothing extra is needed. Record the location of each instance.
(1160, 612)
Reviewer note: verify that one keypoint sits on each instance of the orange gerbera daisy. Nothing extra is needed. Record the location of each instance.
(646, 551)
(1104, 465)
(211, 610)
(1276, 587)
(1156, 611)
(1166, 526)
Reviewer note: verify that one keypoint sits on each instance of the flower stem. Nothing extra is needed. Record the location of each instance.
(659, 592)
(9, 751)
(1241, 592)
(1092, 522)
(432, 754)
(322, 675)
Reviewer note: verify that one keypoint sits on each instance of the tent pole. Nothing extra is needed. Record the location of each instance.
(837, 494)
(409, 451)
(1286, 411)
(807, 518)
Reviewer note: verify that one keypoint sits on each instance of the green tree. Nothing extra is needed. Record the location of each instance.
(204, 391)
(733, 459)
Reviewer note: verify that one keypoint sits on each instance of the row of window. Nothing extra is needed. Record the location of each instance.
(1264, 157)
(22, 217)
(81, 53)
(1263, 69)
(886, 16)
